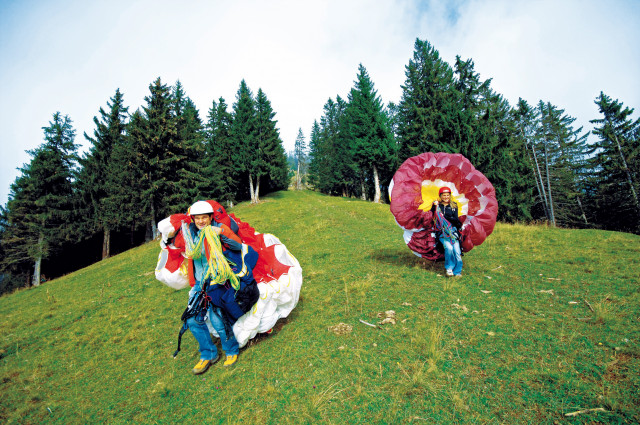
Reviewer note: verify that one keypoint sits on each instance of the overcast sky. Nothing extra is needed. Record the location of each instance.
(72, 55)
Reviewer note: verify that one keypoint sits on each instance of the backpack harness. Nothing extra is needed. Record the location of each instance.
(198, 303)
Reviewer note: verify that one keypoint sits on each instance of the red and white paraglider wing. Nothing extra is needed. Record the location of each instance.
(415, 186)
(279, 278)
(172, 268)
(277, 272)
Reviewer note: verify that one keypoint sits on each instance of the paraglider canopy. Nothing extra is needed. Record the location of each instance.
(421, 179)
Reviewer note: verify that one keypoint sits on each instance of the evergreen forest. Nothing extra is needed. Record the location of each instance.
(67, 210)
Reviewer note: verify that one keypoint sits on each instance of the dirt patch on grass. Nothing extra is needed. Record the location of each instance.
(617, 369)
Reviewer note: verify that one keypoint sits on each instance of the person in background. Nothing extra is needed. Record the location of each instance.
(448, 226)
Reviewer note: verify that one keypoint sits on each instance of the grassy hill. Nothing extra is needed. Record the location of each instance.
(544, 322)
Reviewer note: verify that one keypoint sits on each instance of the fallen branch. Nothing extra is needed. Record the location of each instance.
(499, 267)
(369, 324)
(579, 412)
(589, 305)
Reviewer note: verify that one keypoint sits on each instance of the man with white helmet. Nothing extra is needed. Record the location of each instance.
(208, 267)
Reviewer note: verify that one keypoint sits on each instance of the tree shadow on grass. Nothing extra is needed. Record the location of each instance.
(401, 257)
(274, 195)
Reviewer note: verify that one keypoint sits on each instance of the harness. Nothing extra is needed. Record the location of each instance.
(198, 303)
(445, 228)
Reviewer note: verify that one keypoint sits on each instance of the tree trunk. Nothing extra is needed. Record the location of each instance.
(257, 190)
(154, 227)
(298, 177)
(539, 181)
(626, 170)
(106, 243)
(362, 189)
(546, 159)
(251, 192)
(38, 262)
(376, 181)
(152, 230)
(584, 216)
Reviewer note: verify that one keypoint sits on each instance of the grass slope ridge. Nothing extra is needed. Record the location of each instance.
(544, 322)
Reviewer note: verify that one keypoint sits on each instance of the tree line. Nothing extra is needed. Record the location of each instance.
(542, 167)
(140, 167)
(156, 161)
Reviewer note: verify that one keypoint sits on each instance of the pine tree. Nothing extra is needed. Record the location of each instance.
(501, 156)
(161, 158)
(474, 101)
(563, 152)
(315, 155)
(222, 175)
(14, 272)
(332, 168)
(427, 111)
(132, 174)
(40, 210)
(366, 128)
(300, 157)
(245, 140)
(617, 164)
(267, 139)
(189, 146)
(98, 181)
(526, 121)
(345, 173)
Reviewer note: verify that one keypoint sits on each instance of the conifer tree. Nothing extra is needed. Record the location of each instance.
(366, 128)
(617, 165)
(526, 121)
(474, 99)
(14, 270)
(333, 170)
(341, 162)
(269, 161)
(500, 155)
(160, 157)
(427, 110)
(315, 155)
(189, 146)
(222, 175)
(563, 151)
(98, 179)
(131, 172)
(300, 157)
(40, 211)
(244, 133)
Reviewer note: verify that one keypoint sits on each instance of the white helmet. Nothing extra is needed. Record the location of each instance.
(200, 207)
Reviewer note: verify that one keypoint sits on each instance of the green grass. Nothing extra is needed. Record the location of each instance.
(544, 322)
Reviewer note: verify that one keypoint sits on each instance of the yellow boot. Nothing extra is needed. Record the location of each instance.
(231, 360)
(203, 365)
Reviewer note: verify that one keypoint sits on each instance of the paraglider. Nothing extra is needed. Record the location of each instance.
(416, 185)
(278, 274)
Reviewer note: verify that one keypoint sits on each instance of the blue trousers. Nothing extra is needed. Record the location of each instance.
(200, 331)
(452, 256)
